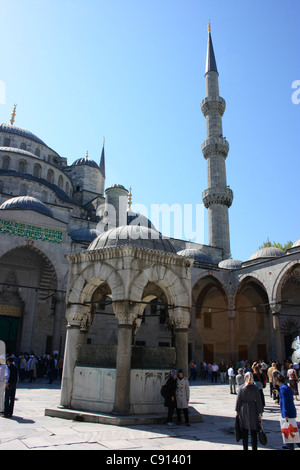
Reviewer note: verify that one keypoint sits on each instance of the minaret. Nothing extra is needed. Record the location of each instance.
(218, 197)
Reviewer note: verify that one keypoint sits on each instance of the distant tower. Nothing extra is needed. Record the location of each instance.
(218, 197)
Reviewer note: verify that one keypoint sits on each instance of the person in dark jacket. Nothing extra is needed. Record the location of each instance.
(11, 379)
(287, 405)
(170, 399)
(249, 411)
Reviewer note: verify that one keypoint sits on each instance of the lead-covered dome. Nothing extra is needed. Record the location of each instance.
(12, 129)
(85, 234)
(85, 161)
(197, 254)
(230, 263)
(26, 203)
(134, 235)
(267, 252)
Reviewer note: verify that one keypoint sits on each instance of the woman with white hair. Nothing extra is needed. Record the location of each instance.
(249, 411)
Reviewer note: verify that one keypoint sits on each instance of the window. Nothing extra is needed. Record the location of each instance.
(23, 190)
(5, 163)
(6, 142)
(22, 166)
(37, 152)
(37, 169)
(50, 176)
(23, 146)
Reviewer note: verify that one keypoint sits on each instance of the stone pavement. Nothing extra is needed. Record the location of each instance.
(30, 429)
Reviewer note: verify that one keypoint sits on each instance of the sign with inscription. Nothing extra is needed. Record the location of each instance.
(17, 229)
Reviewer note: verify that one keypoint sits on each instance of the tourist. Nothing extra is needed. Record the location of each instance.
(193, 370)
(11, 379)
(182, 397)
(270, 377)
(222, 370)
(249, 411)
(275, 375)
(287, 406)
(240, 379)
(293, 380)
(231, 378)
(258, 381)
(2, 383)
(170, 397)
(214, 372)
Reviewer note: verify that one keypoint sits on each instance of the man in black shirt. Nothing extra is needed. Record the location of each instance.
(11, 385)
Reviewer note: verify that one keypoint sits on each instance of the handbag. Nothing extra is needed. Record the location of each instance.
(238, 434)
(289, 431)
(262, 436)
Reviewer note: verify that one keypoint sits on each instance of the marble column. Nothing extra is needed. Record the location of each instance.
(70, 357)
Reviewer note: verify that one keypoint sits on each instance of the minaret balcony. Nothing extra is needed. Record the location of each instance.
(213, 104)
(215, 146)
(212, 196)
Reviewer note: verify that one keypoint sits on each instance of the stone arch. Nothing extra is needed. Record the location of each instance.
(92, 277)
(252, 319)
(176, 292)
(281, 279)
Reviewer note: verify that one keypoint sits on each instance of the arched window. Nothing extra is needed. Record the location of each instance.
(37, 170)
(5, 163)
(37, 152)
(23, 146)
(6, 142)
(50, 176)
(22, 166)
(60, 182)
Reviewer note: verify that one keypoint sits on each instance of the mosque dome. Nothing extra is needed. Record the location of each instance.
(85, 234)
(26, 203)
(267, 252)
(85, 161)
(12, 129)
(230, 263)
(197, 254)
(139, 236)
(134, 218)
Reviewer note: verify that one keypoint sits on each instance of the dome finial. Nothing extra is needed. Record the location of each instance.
(87, 154)
(13, 115)
(130, 198)
(208, 27)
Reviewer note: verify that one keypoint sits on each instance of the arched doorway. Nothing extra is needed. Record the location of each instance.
(253, 337)
(290, 309)
(210, 321)
(27, 300)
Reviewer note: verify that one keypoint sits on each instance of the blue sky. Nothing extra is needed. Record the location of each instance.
(132, 71)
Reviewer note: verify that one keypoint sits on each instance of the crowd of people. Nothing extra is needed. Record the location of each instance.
(248, 383)
(18, 368)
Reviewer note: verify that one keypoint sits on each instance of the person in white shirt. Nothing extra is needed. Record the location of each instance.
(231, 377)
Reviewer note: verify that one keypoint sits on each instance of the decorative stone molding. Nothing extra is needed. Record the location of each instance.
(223, 196)
(213, 104)
(215, 146)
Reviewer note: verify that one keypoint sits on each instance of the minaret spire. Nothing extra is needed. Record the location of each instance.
(218, 197)
(102, 160)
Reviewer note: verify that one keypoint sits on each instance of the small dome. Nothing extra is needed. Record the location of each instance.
(134, 218)
(197, 254)
(267, 252)
(85, 161)
(141, 237)
(84, 234)
(26, 203)
(297, 243)
(230, 263)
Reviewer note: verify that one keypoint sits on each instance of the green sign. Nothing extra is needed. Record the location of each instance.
(16, 229)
